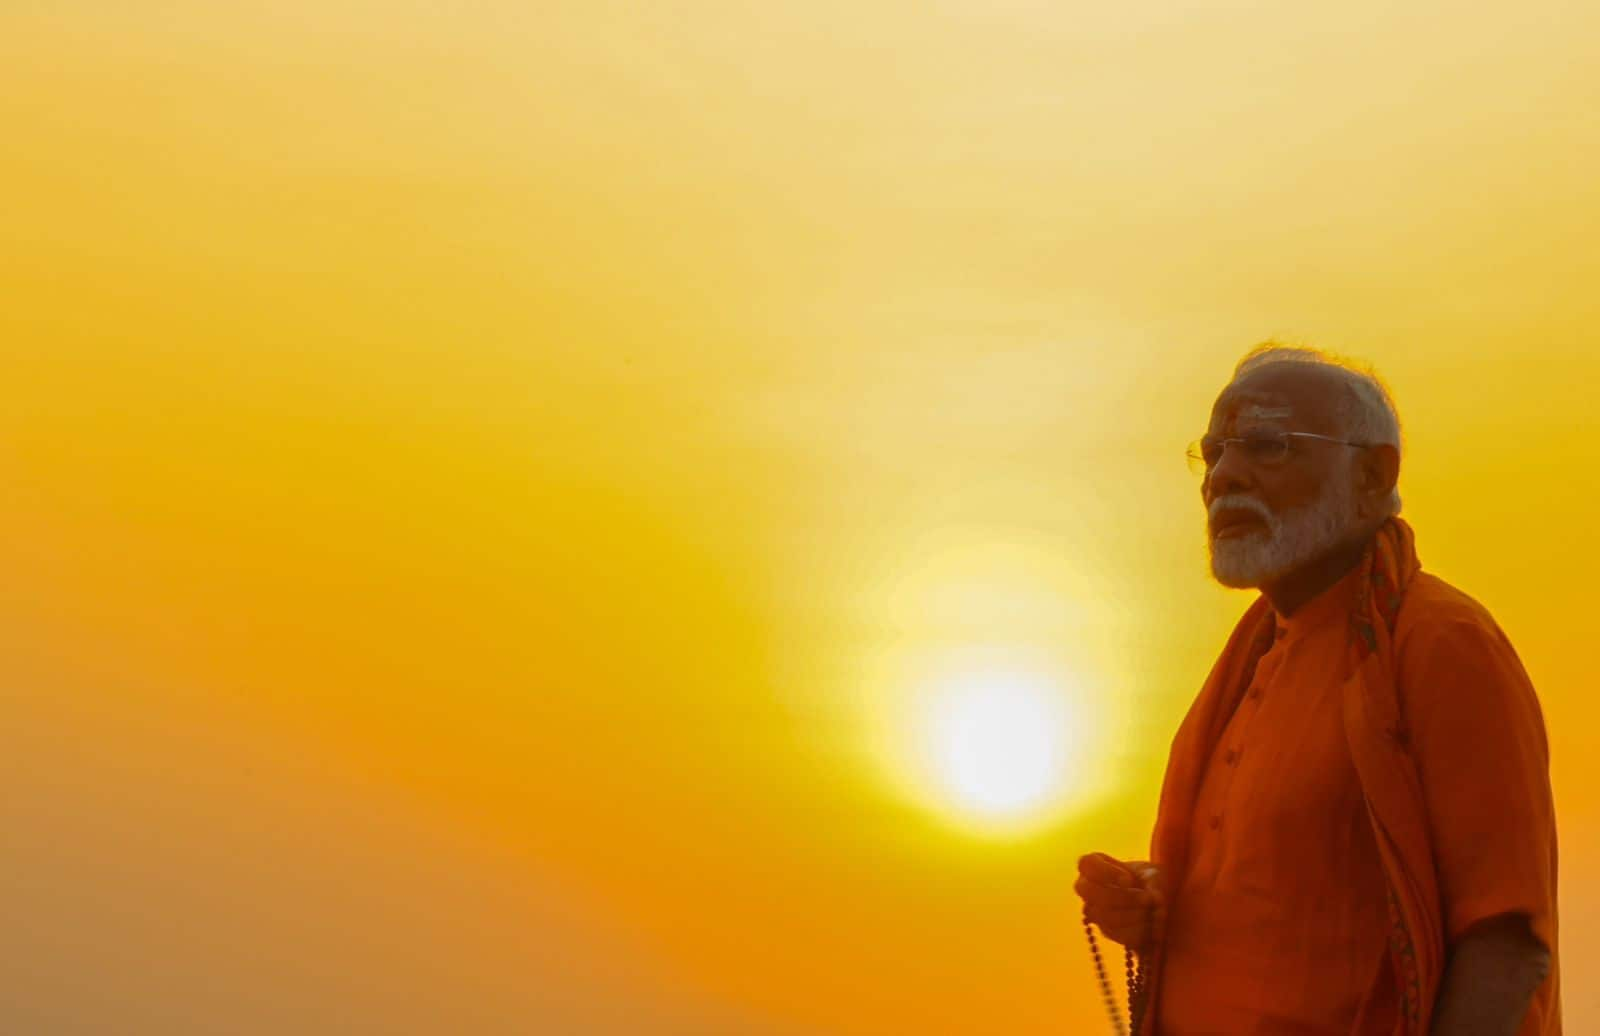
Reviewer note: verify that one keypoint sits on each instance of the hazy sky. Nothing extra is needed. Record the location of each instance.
(490, 490)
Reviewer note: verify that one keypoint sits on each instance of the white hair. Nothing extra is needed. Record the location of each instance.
(1366, 413)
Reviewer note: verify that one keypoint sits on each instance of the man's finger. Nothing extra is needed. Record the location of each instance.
(1127, 901)
(1112, 895)
(1098, 867)
(1118, 918)
(1118, 899)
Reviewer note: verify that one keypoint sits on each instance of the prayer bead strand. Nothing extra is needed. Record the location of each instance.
(1138, 978)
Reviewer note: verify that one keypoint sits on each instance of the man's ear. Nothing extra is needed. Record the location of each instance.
(1380, 469)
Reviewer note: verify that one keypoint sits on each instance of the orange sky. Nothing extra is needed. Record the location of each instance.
(489, 490)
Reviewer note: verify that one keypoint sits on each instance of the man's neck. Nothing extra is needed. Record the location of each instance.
(1310, 580)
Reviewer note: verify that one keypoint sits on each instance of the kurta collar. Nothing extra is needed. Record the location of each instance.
(1325, 609)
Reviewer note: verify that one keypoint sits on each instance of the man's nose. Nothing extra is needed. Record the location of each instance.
(1231, 474)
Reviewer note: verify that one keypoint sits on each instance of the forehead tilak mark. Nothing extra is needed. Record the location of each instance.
(1253, 411)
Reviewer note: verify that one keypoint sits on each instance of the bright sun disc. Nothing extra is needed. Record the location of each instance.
(1000, 744)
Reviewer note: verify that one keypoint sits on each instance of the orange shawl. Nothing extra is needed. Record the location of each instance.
(1378, 747)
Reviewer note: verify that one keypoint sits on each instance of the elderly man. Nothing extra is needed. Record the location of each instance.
(1356, 832)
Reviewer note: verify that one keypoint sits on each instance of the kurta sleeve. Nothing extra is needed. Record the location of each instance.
(1478, 736)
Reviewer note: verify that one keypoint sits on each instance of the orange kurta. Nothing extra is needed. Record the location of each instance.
(1279, 922)
(1256, 942)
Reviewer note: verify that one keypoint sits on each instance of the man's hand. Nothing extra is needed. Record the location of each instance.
(1493, 970)
(1124, 899)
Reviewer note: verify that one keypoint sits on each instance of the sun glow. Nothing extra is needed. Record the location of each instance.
(996, 740)
(1000, 744)
(992, 706)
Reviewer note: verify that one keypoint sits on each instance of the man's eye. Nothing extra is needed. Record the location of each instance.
(1264, 447)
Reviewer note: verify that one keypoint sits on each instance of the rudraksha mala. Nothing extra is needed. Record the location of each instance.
(1138, 988)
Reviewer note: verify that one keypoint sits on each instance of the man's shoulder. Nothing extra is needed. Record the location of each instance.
(1453, 659)
(1432, 605)
(1440, 623)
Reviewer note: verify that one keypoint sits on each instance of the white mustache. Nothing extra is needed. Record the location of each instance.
(1243, 503)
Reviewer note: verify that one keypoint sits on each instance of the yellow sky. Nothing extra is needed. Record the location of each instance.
(487, 488)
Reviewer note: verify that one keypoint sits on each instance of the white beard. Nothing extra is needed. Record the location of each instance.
(1290, 540)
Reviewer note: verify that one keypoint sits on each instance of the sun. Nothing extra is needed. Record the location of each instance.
(998, 744)
(995, 704)
(1000, 748)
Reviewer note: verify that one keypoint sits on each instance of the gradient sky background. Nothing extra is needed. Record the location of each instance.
(487, 487)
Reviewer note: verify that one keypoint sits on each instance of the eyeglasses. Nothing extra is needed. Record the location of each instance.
(1263, 449)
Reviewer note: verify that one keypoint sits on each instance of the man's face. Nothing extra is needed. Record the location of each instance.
(1292, 513)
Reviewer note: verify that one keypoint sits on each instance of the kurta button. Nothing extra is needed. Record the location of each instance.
(1255, 692)
(1233, 756)
(1216, 822)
